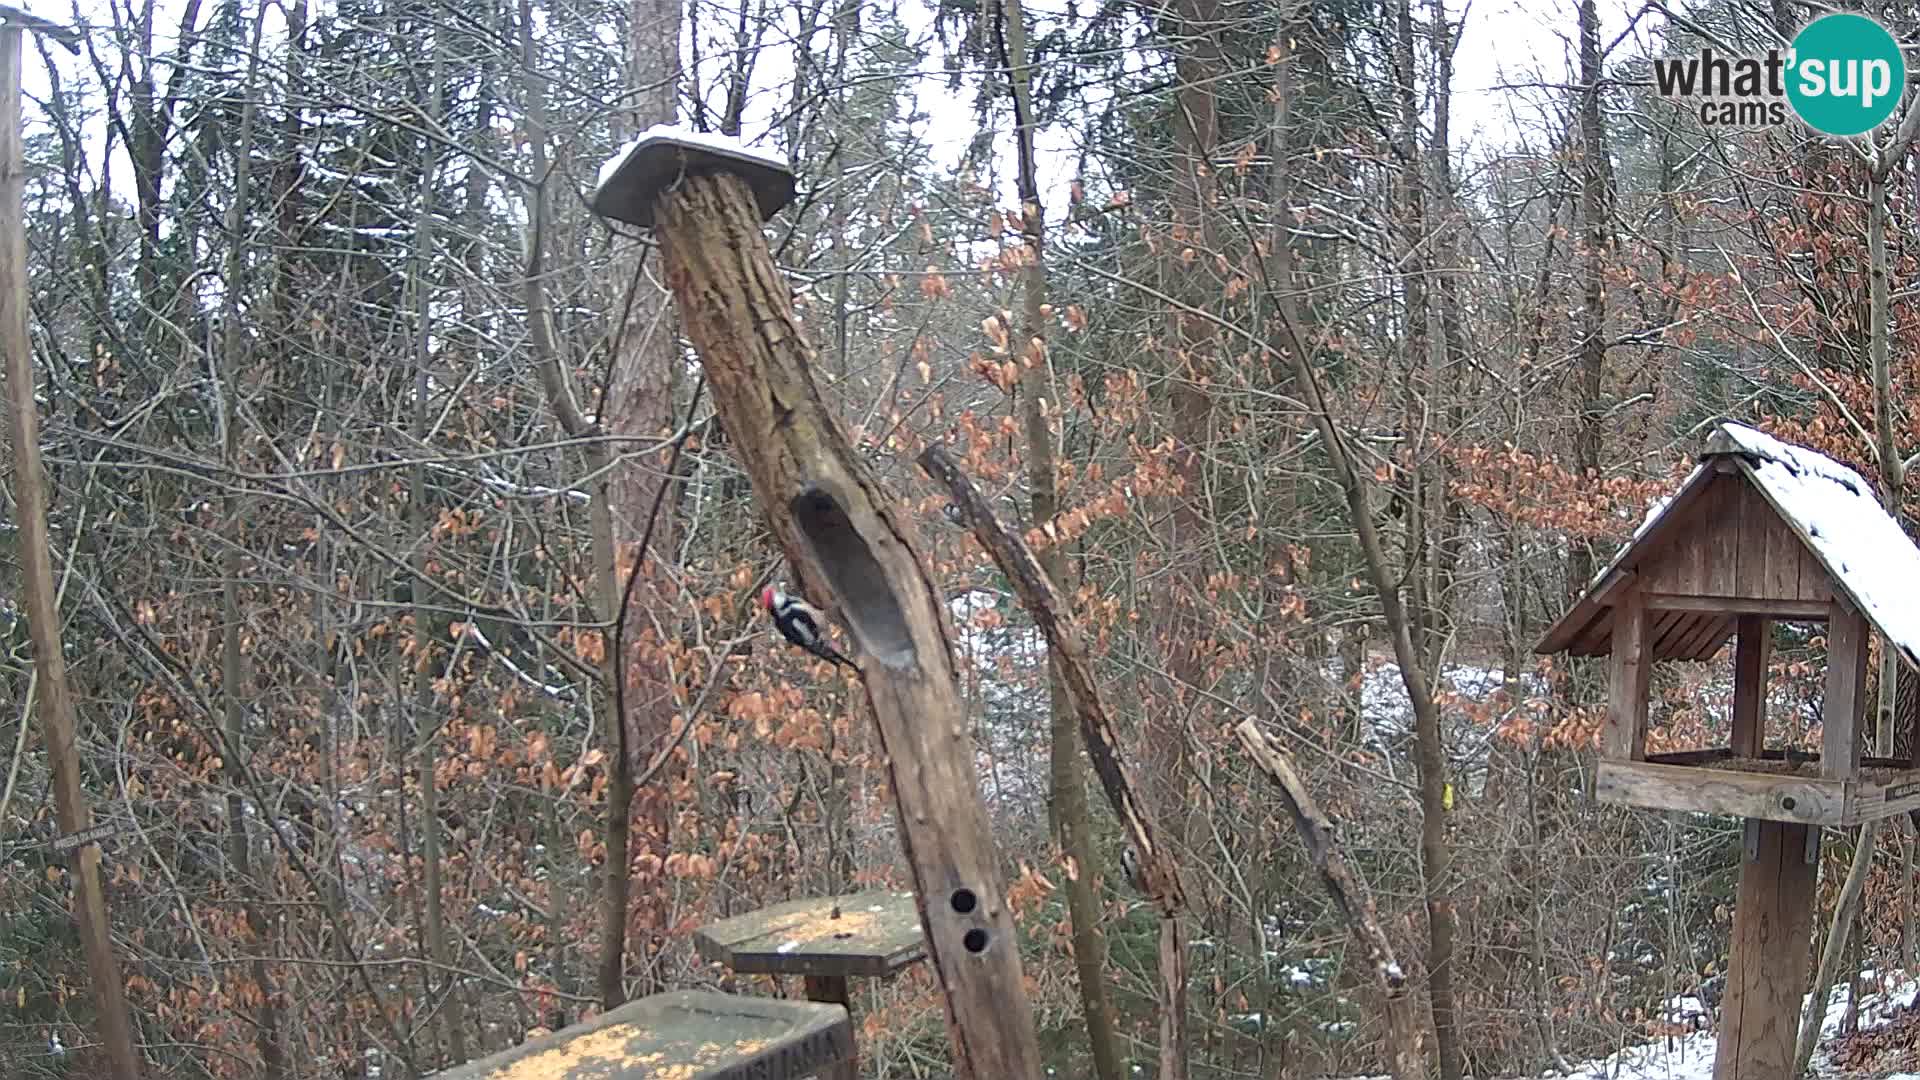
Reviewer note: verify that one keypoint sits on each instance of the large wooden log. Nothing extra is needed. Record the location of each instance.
(854, 551)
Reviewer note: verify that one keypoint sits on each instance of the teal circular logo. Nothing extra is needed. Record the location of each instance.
(1847, 74)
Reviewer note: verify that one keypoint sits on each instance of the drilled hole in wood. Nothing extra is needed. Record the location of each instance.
(975, 940)
(964, 901)
(1786, 802)
(872, 613)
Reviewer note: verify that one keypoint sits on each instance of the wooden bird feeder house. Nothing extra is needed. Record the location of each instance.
(1761, 532)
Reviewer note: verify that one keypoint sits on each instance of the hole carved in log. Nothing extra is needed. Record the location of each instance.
(867, 604)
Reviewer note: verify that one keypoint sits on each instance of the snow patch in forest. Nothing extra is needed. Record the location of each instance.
(1854, 536)
(1690, 1057)
(725, 144)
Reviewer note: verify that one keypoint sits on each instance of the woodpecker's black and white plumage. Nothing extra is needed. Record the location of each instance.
(800, 623)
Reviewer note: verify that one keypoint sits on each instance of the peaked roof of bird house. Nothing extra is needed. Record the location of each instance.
(1829, 508)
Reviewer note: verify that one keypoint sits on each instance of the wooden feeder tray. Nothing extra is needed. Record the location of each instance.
(1770, 787)
(683, 1035)
(876, 935)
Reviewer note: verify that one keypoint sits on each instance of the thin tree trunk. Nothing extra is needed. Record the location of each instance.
(611, 978)
(1072, 823)
(1419, 625)
(1450, 371)
(1416, 358)
(71, 809)
(1844, 910)
(232, 664)
(1381, 576)
(1193, 26)
(1593, 303)
(639, 404)
(426, 725)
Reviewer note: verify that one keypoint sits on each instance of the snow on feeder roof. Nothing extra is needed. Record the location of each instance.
(1759, 527)
(638, 172)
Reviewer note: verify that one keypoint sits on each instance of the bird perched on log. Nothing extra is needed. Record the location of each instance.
(800, 623)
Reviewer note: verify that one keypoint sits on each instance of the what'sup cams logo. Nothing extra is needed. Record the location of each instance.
(1842, 76)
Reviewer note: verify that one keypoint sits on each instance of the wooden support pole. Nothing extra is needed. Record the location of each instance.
(853, 549)
(1767, 968)
(1630, 670)
(1846, 692)
(833, 990)
(55, 703)
(1160, 877)
(1752, 650)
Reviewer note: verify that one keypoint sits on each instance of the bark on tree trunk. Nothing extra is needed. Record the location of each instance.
(616, 894)
(639, 404)
(426, 727)
(1418, 617)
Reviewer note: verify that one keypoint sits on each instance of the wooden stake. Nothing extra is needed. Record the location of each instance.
(1751, 651)
(55, 704)
(1767, 968)
(853, 550)
(1846, 692)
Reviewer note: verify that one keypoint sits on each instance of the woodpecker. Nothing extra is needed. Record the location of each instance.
(800, 623)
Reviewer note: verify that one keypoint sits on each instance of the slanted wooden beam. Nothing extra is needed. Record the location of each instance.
(1631, 667)
(1844, 706)
(1344, 887)
(1752, 650)
(854, 549)
(1160, 875)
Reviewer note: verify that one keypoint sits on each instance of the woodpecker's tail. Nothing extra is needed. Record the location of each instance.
(827, 652)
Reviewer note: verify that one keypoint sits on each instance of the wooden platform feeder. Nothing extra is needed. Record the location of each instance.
(1761, 532)
(683, 1035)
(825, 941)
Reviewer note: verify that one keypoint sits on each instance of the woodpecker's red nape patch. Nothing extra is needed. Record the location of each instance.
(766, 598)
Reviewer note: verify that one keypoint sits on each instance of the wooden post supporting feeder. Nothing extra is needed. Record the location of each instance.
(1761, 532)
(852, 549)
(826, 941)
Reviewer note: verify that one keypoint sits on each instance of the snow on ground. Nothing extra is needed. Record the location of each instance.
(1691, 1057)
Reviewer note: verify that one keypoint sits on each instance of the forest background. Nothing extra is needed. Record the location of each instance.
(354, 415)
